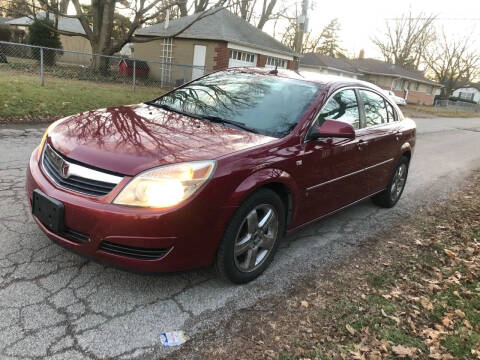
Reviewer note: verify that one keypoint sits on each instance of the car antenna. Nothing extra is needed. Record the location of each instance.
(274, 72)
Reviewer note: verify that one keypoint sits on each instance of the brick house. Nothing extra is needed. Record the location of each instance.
(401, 81)
(216, 41)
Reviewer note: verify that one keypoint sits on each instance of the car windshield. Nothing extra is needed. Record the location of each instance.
(265, 104)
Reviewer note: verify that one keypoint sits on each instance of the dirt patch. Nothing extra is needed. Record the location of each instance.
(412, 292)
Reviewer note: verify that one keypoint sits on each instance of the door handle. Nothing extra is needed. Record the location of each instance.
(398, 134)
(361, 144)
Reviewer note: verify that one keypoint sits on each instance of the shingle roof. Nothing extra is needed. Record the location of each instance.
(373, 66)
(219, 24)
(363, 66)
(313, 59)
(71, 25)
(470, 85)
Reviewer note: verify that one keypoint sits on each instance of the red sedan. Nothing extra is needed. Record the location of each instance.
(218, 170)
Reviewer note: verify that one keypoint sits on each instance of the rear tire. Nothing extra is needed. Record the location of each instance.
(251, 238)
(390, 196)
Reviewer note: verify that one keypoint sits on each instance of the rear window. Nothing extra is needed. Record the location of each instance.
(270, 105)
(375, 109)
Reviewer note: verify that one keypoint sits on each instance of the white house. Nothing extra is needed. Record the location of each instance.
(468, 92)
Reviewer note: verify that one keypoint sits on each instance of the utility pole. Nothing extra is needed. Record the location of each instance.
(302, 23)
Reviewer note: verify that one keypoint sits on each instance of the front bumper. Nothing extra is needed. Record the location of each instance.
(189, 234)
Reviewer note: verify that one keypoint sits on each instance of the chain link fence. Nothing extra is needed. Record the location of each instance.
(458, 105)
(42, 63)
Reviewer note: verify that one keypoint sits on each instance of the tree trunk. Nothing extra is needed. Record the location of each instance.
(182, 5)
(101, 63)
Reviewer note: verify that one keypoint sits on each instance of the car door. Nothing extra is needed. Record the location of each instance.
(331, 167)
(378, 137)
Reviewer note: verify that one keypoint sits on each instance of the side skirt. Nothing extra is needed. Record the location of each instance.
(333, 212)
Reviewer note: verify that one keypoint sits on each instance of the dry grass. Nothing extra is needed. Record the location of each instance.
(420, 111)
(411, 293)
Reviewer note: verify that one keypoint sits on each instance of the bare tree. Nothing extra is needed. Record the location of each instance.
(404, 42)
(15, 9)
(452, 63)
(249, 10)
(106, 35)
(63, 5)
(267, 13)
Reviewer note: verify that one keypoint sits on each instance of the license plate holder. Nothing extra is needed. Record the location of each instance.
(49, 211)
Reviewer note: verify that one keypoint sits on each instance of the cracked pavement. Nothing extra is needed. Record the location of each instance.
(55, 304)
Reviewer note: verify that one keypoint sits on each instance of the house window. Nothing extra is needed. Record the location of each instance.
(399, 84)
(242, 56)
(466, 96)
(276, 62)
(413, 86)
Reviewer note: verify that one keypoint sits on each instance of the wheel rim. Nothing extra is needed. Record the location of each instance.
(398, 183)
(256, 238)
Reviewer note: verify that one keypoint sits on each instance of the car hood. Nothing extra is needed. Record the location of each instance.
(131, 139)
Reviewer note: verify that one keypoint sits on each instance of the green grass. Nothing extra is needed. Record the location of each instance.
(21, 96)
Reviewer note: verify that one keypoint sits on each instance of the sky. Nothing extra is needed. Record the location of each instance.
(363, 19)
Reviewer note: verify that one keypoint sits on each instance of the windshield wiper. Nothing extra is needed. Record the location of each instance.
(168, 108)
(219, 120)
(214, 119)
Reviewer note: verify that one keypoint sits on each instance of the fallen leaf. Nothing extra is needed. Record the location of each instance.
(403, 351)
(304, 303)
(447, 322)
(427, 305)
(350, 329)
(450, 253)
(460, 313)
(412, 325)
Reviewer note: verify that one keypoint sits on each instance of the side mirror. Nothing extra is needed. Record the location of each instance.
(332, 128)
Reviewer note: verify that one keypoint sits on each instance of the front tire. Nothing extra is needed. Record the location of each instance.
(390, 196)
(251, 238)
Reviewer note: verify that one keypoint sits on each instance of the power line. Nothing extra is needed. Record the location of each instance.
(436, 19)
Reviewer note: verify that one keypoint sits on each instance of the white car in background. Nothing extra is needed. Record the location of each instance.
(397, 99)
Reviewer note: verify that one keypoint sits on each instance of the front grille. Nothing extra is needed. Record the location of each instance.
(133, 252)
(75, 236)
(57, 167)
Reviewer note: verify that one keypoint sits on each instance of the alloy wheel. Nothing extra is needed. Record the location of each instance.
(398, 183)
(256, 238)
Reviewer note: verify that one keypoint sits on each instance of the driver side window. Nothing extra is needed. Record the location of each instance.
(343, 106)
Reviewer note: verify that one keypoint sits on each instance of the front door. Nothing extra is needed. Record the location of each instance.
(199, 54)
(332, 167)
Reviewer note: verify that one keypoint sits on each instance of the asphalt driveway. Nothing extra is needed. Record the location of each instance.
(55, 304)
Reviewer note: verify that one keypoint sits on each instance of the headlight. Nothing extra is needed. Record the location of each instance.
(166, 186)
(44, 138)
